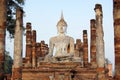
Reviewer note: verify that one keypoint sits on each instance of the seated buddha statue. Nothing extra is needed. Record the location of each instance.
(61, 47)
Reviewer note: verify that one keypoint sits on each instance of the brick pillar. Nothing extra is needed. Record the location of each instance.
(38, 52)
(85, 48)
(100, 42)
(28, 44)
(17, 65)
(2, 36)
(93, 43)
(34, 48)
(38, 49)
(46, 49)
(116, 15)
(43, 48)
(77, 48)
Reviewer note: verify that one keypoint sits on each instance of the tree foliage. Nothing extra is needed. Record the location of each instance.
(11, 11)
(8, 63)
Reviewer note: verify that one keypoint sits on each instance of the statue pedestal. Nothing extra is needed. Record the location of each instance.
(59, 71)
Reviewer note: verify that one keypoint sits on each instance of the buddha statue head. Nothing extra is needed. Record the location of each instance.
(61, 25)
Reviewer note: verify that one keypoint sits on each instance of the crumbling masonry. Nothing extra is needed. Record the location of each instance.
(33, 66)
(17, 64)
(116, 15)
(2, 36)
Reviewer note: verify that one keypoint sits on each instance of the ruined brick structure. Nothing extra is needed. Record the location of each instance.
(116, 15)
(78, 48)
(17, 64)
(100, 55)
(2, 36)
(28, 44)
(33, 66)
(85, 48)
(35, 51)
(58, 71)
(93, 43)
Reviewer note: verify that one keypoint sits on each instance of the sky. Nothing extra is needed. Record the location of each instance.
(44, 15)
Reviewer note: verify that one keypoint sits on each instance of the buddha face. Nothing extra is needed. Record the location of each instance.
(61, 29)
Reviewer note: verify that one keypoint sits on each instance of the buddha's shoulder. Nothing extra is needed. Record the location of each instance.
(53, 38)
(70, 37)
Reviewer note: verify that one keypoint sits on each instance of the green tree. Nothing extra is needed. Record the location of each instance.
(11, 11)
(8, 63)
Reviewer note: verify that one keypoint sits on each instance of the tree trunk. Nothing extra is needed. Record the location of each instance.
(2, 36)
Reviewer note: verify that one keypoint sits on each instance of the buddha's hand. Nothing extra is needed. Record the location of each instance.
(48, 58)
(49, 55)
(71, 55)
